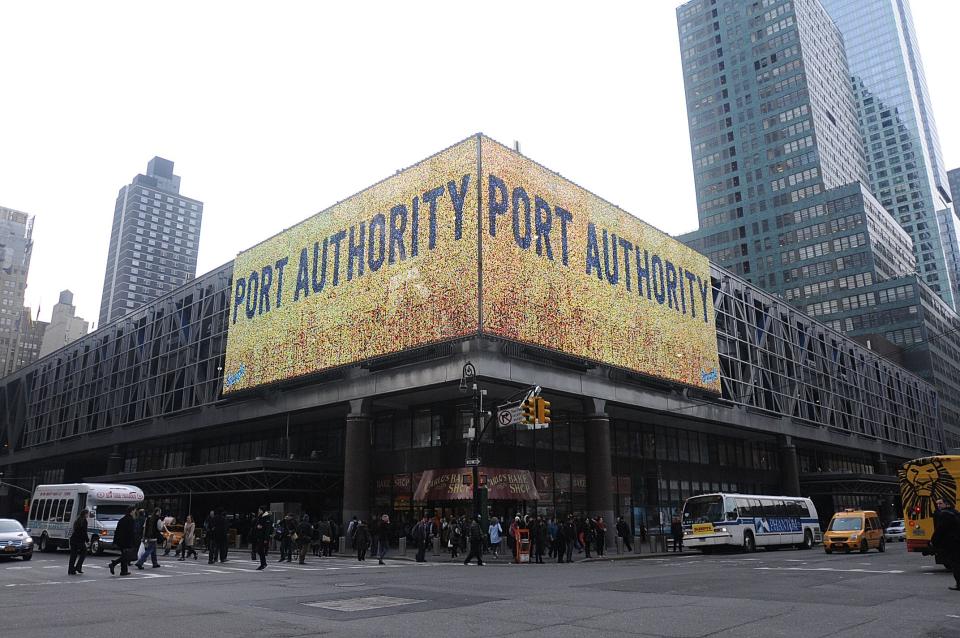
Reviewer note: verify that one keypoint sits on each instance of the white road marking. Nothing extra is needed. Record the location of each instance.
(364, 603)
(833, 569)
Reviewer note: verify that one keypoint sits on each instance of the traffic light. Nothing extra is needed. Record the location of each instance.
(528, 411)
(543, 411)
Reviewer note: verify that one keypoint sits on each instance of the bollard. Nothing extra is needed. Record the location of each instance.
(402, 548)
(618, 542)
(343, 545)
(636, 545)
(435, 545)
(238, 542)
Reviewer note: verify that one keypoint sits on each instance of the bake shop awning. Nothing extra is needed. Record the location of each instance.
(457, 485)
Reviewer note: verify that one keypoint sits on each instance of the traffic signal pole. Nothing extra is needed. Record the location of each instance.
(531, 400)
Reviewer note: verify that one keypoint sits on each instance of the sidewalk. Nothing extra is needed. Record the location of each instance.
(507, 558)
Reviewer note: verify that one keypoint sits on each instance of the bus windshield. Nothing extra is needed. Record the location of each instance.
(703, 509)
(111, 512)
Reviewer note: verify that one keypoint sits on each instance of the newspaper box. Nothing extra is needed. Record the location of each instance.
(522, 546)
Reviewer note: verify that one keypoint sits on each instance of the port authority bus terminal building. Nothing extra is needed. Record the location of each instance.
(322, 369)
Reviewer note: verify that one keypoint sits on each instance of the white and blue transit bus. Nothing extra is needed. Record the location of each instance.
(749, 521)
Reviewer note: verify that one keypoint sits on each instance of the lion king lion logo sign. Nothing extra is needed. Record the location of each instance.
(924, 481)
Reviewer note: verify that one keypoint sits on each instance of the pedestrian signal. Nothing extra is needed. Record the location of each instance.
(528, 411)
(543, 411)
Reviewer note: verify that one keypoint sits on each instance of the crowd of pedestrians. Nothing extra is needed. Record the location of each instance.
(140, 535)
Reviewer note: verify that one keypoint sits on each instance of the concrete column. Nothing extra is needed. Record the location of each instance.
(599, 463)
(881, 466)
(115, 461)
(357, 479)
(789, 467)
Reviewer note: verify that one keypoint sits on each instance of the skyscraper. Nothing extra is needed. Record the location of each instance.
(153, 243)
(904, 161)
(782, 183)
(19, 334)
(64, 325)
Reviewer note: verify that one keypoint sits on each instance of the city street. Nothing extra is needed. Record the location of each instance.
(777, 593)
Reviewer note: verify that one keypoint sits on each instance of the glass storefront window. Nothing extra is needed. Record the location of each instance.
(421, 428)
(401, 430)
(576, 435)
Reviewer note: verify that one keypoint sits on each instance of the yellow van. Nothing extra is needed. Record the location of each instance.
(854, 529)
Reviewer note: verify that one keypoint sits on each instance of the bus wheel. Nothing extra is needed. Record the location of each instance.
(807, 540)
(44, 544)
(883, 545)
(864, 547)
(96, 547)
(749, 544)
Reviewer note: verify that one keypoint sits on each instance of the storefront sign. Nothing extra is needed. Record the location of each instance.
(457, 485)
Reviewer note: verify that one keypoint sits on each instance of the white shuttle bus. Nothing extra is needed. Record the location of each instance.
(55, 507)
(749, 521)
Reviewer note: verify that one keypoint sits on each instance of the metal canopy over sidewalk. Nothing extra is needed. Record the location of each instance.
(848, 484)
(258, 475)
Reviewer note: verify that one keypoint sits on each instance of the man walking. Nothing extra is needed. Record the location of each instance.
(569, 538)
(946, 537)
(220, 535)
(421, 536)
(304, 536)
(125, 539)
(262, 531)
(676, 531)
(476, 542)
(151, 536)
(383, 537)
(623, 531)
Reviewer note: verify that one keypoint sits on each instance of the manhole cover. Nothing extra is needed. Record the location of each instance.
(365, 603)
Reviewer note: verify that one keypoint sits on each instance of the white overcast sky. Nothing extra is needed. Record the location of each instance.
(274, 111)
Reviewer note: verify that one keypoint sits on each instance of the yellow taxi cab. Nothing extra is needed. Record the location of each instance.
(854, 529)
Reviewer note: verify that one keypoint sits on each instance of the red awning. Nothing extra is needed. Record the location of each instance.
(457, 485)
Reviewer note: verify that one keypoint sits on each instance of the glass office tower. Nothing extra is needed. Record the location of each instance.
(904, 161)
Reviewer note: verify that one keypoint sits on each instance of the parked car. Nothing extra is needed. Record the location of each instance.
(15, 540)
(896, 531)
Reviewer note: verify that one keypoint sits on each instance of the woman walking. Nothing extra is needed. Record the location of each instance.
(361, 540)
(189, 538)
(78, 544)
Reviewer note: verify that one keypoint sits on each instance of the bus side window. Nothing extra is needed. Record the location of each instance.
(743, 507)
(804, 510)
(756, 509)
(61, 505)
(769, 508)
(793, 509)
(46, 509)
(68, 513)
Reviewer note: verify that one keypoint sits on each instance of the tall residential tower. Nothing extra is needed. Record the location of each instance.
(153, 243)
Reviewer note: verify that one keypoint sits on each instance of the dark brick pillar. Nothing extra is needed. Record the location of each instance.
(599, 463)
(357, 479)
(789, 467)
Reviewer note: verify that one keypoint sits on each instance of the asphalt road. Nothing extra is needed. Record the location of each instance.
(776, 593)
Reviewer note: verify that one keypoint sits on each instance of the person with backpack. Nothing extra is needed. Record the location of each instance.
(78, 543)
(152, 535)
(476, 542)
(284, 533)
(262, 532)
(623, 531)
